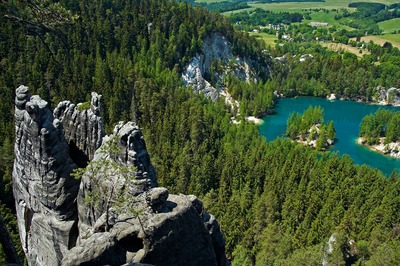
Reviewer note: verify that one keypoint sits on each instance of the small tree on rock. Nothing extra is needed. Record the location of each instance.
(109, 183)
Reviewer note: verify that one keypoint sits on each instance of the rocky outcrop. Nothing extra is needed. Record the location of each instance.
(197, 73)
(114, 214)
(44, 190)
(389, 96)
(120, 167)
(391, 149)
(151, 226)
(174, 235)
(83, 128)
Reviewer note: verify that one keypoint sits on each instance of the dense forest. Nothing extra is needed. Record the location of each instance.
(261, 17)
(277, 202)
(225, 6)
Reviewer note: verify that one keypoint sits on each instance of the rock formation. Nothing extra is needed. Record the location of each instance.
(391, 149)
(114, 214)
(385, 96)
(83, 128)
(215, 47)
(43, 189)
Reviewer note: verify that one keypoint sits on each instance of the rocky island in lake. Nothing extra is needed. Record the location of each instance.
(309, 128)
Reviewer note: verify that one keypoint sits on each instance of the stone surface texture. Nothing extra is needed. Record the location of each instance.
(83, 129)
(43, 189)
(114, 214)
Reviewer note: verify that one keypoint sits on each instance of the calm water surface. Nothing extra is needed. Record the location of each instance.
(346, 115)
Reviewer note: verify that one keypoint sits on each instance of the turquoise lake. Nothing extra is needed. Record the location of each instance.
(346, 115)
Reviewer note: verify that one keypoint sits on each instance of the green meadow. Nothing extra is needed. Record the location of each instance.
(299, 6)
(267, 38)
(389, 26)
(394, 39)
(324, 17)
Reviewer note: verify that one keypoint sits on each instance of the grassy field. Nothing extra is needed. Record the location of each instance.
(299, 6)
(389, 26)
(394, 39)
(324, 17)
(339, 47)
(267, 38)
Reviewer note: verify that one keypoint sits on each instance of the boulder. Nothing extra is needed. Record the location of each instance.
(156, 197)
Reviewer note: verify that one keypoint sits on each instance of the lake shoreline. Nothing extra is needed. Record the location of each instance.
(255, 120)
(330, 98)
(346, 115)
(381, 148)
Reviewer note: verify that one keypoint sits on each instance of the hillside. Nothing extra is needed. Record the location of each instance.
(277, 202)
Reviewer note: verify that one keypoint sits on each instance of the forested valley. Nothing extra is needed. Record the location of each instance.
(278, 203)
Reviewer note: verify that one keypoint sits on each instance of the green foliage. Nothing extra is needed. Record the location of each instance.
(329, 72)
(330, 131)
(386, 254)
(382, 124)
(255, 99)
(261, 17)
(320, 143)
(392, 131)
(83, 106)
(305, 256)
(225, 6)
(293, 125)
(38, 16)
(12, 227)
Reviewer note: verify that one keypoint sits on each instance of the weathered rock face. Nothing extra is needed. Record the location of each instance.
(175, 235)
(118, 216)
(387, 96)
(44, 191)
(137, 231)
(215, 47)
(83, 129)
(121, 166)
